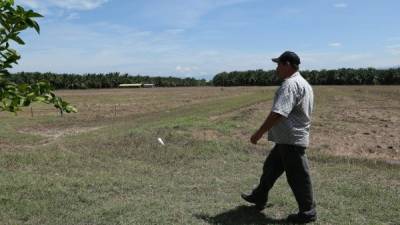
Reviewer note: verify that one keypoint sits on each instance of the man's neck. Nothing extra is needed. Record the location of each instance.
(291, 75)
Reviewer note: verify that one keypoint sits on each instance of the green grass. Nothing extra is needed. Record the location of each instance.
(119, 174)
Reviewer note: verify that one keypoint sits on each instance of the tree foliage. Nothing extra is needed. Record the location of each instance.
(369, 76)
(14, 20)
(109, 80)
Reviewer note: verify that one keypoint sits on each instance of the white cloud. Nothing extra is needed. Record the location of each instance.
(354, 57)
(77, 4)
(102, 47)
(184, 13)
(394, 49)
(340, 5)
(34, 4)
(105, 47)
(329, 60)
(43, 6)
(335, 44)
(30, 3)
(392, 39)
(84, 49)
(183, 69)
(72, 16)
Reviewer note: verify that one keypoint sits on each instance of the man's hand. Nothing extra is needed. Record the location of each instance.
(272, 119)
(255, 137)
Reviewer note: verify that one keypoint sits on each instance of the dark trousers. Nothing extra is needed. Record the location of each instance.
(292, 160)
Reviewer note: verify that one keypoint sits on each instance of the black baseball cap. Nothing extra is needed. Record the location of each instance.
(288, 56)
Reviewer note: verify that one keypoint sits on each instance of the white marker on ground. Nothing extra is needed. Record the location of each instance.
(160, 141)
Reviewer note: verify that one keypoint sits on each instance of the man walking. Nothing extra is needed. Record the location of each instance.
(288, 126)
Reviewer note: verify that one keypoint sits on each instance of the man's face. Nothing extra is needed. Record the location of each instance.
(282, 69)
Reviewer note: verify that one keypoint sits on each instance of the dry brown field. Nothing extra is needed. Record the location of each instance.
(355, 121)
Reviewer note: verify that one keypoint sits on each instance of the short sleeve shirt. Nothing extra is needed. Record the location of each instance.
(294, 101)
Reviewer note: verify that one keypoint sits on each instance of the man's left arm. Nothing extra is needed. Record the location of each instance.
(272, 119)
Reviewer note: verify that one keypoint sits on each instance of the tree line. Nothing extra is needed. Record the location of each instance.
(109, 80)
(367, 76)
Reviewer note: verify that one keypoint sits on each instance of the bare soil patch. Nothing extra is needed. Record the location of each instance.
(358, 122)
(52, 134)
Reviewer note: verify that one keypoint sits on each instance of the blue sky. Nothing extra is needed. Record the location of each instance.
(199, 38)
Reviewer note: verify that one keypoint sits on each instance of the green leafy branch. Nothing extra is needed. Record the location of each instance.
(13, 20)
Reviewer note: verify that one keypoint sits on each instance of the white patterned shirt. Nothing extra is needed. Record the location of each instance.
(294, 101)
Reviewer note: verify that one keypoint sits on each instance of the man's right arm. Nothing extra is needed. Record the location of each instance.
(272, 119)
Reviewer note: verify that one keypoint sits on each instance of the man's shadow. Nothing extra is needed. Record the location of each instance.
(240, 215)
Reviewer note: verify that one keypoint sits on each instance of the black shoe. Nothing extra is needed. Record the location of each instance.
(260, 205)
(301, 218)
